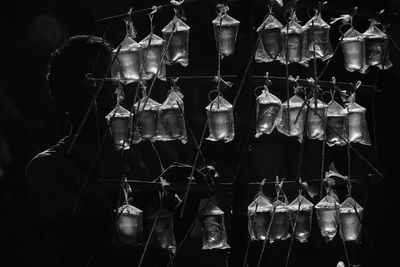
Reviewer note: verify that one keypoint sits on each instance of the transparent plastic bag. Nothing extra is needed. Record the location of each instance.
(129, 228)
(146, 113)
(301, 217)
(127, 64)
(356, 123)
(220, 120)
(163, 235)
(178, 48)
(317, 32)
(280, 222)
(353, 47)
(350, 220)
(171, 121)
(294, 40)
(292, 121)
(153, 47)
(225, 30)
(270, 40)
(377, 49)
(213, 227)
(316, 119)
(269, 109)
(118, 122)
(327, 210)
(336, 131)
(259, 217)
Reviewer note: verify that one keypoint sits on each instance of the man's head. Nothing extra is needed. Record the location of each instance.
(67, 76)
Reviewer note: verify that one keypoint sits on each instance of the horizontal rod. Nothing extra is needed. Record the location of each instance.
(222, 187)
(257, 77)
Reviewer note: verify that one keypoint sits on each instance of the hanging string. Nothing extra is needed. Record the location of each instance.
(277, 184)
(294, 225)
(185, 196)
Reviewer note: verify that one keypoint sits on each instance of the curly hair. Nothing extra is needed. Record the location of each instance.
(72, 61)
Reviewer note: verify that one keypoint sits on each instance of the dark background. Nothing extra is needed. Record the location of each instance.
(30, 122)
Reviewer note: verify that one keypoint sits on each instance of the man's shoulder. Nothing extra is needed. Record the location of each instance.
(51, 156)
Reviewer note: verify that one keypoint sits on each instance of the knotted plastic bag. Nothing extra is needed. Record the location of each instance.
(259, 217)
(171, 121)
(213, 227)
(301, 217)
(294, 43)
(178, 48)
(270, 40)
(128, 62)
(356, 122)
(220, 120)
(327, 210)
(336, 130)
(353, 47)
(376, 44)
(163, 235)
(350, 220)
(129, 228)
(269, 109)
(317, 32)
(146, 113)
(280, 222)
(153, 47)
(225, 30)
(316, 119)
(118, 122)
(292, 122)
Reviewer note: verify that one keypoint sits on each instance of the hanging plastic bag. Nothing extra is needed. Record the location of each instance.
(327, 210)
(146, 112)
(292, 121)
(353, 47)
(213, 227)
(317, 32)
(153, 47)
(163, 235)
(356, 122)
(270, 40)
(220, 120)
(128, 62)
(301, 216)
(269, 109)
(294, 43)
(178, 48)
(118, 122)
(336, 130)
(171, 121)
(259, 217)
(129, 228)
(225, 29)
(376, 44)
(350, 220)
(316, 119)
(280, 222)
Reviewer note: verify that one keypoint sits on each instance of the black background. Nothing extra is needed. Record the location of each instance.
(29, 121)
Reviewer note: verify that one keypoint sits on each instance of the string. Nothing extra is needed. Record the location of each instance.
(294, 231)
(267, 237)
(193, 168)
(287, 77)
